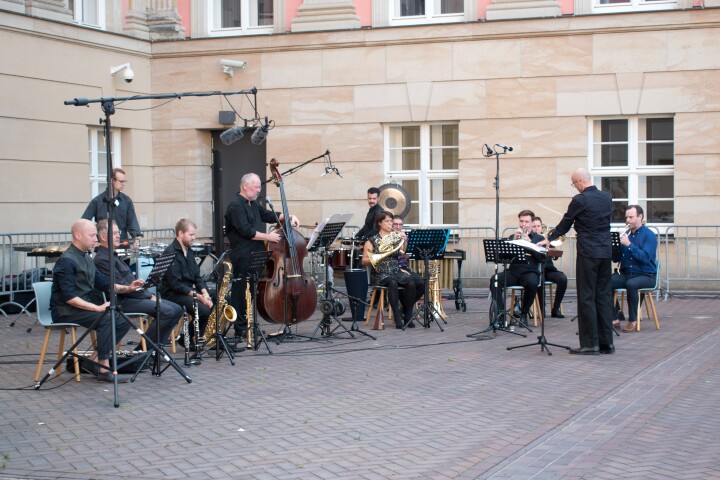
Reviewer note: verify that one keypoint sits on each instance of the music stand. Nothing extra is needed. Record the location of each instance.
(497, 252)
(258, 260)
(156, 276)
(541, 340)
(427, 244)
(330, 307)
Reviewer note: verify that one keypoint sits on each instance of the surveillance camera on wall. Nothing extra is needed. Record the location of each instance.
(128, 74)
(229, 65)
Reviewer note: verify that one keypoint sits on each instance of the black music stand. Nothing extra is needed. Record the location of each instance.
(330, 307)
(500, 251)
(427, 244)
(156, 276)
(258, 260)
(541, 340)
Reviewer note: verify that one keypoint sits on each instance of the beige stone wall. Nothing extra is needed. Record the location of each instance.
(531, 84)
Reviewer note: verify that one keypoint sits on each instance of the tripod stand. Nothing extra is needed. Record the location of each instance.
(497, 251)
(541, 340)
(427, 245)
(330, 307)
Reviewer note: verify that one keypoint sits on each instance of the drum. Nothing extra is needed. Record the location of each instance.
(339, 259)
(356, 283)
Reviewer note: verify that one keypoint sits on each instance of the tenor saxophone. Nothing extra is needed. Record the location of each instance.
(249, 316)
(227, 312)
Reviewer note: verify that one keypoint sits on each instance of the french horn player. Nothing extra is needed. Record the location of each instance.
(381, 253)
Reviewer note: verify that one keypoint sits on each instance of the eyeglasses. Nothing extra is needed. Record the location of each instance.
(120, 181)
(573, 183)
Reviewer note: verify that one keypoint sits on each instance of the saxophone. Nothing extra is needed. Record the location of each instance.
(434, 288)
(227, 312)
(249, 316)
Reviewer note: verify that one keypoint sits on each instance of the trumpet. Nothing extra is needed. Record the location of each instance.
(625, 230)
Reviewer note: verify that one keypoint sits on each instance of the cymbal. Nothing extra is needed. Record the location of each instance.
(394, 198)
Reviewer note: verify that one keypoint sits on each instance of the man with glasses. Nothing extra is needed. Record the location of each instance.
(589, 213)
(124, 209)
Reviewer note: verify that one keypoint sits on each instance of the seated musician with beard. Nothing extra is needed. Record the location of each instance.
(387, 272)
(135, 301)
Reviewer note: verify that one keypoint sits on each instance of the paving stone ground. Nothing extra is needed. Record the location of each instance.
(415, 404)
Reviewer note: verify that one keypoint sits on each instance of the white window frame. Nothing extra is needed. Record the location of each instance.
(78, 6)
(430, 16)
(424, 176)
(245, 28)
(633, 171)
(634, 6)
(96, 146)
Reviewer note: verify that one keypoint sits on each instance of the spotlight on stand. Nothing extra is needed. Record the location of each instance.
(260, 134)
(232, 135)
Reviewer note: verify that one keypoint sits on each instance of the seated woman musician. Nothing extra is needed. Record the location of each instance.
(381, 252)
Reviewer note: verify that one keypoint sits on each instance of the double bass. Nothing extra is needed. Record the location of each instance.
(287, 295)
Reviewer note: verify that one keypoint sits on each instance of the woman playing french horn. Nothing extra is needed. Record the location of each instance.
(381, 252)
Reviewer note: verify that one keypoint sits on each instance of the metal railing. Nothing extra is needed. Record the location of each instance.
(27, 256)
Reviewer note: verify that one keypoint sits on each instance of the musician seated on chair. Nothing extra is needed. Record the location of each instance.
(77, 295)
(183, 283)
(404, 256)
(137, 301)
(552, 274)
(526, 275)
(638, 268)
(387, 272)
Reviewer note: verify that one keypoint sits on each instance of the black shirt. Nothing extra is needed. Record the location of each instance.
(183, 273)
(243, 219)
(589, 212)
(124, 212)
(75, 275)
(368, 229)
(123, 274)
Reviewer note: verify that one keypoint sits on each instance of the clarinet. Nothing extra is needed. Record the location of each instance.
(197, 323)
(186, 337)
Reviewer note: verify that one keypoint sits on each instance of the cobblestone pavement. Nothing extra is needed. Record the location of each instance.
(415, 404)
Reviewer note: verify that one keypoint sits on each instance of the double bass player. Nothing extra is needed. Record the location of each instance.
(244, 227)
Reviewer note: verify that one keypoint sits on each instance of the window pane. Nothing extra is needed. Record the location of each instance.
(612, 150)
(614, 131)
(449, 6)
(405, 148)
(409, 8)
(660, 211)
(657, 154)
(90, 13)
(657, 136)
(617, 187)
(410, 136)
(444, 136)
(230, 14)
(413, 215)
(444, 201)
(262, 12)
(658, 128)
(444, 189)
(613, 155)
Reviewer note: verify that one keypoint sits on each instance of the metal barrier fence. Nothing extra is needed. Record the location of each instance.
(691, 258)
(27, 257)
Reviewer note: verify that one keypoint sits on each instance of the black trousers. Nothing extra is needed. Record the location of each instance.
(103, 329)
(170, 313)
(594, 301)
(560, 280)
(528, 280)
(187, 302)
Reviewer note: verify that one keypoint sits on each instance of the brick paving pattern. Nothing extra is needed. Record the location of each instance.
(415, 404)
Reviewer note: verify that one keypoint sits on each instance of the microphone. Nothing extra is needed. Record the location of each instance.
(260, 134)
(504, 147)
(489, 150)
(232, 135)
(267, 199)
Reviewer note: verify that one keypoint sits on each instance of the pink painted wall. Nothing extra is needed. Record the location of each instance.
(363, 8)
(183, 7)
(291, 8)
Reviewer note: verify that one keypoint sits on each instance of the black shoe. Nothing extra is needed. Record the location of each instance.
(107, 377)
(585, 351)
(411, 325)
(88, 367)
(399, 325)
(621, 316)
(608, 350)
(556, 314)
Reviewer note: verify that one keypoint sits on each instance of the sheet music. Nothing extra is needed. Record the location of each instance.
(337, 218)
(529, 245)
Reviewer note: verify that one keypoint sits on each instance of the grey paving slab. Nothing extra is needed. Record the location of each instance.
(415, 404)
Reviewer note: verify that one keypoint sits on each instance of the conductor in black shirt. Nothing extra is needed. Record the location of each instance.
(589, 213)
(368, 229)
(245, 221)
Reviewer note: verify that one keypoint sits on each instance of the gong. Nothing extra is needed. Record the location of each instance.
(394, 198)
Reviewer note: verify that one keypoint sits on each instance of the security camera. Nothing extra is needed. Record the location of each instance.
(228, 65)
(128, 75)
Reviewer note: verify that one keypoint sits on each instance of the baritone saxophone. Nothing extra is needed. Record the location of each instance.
(226, 312)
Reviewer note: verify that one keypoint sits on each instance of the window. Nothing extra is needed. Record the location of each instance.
(237, 17)
(88, 12)
(424, 160)
(633, 160)
(408, 12)
(97, 158)
(613, 6)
